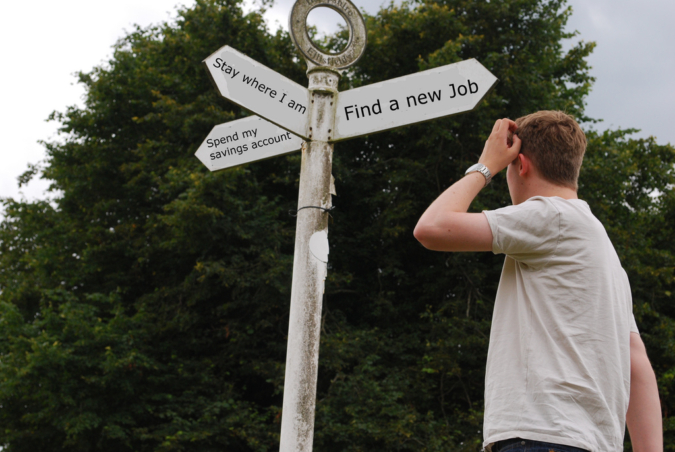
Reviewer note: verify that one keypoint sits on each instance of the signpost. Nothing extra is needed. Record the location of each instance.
(321, 116)
(260, 89)
(245, 140)
(443, 91)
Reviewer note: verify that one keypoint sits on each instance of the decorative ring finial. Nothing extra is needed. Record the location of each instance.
(357, 33)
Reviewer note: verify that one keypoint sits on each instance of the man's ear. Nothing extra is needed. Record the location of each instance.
(524, 165)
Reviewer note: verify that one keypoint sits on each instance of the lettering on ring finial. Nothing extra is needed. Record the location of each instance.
(355, 23)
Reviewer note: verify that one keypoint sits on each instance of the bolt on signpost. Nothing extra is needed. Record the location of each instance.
(321, 116)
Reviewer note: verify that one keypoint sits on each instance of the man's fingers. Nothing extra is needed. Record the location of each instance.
(507, 124)
(500, 149)
(515, 147)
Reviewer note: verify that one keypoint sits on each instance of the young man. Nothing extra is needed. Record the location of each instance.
(566, 367)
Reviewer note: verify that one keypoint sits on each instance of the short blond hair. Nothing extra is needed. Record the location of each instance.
(555, 143)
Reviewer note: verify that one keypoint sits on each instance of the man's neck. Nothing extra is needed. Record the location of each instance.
(541, 187)
(557, 190)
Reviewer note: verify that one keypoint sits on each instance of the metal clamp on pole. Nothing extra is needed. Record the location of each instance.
(294, 213)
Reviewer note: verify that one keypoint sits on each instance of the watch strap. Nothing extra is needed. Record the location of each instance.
(480, 168)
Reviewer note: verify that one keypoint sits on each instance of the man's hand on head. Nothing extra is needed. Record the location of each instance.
(502, 146)
(446, 225)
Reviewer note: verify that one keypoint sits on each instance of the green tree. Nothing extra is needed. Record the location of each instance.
(146, 307)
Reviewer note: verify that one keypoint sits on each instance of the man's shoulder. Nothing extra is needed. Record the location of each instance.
(540, 224)
(525, 231)
(536, 211)
(545, 208)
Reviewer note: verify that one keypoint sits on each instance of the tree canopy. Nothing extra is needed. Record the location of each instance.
(145, 307)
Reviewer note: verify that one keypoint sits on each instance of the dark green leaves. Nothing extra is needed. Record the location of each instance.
(146, 307)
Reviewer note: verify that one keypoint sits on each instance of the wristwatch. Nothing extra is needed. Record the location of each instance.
(481, 169)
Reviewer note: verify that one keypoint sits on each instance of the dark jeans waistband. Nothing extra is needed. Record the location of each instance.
(520, 444)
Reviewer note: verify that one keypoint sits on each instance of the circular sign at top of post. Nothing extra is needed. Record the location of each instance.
(357, 33)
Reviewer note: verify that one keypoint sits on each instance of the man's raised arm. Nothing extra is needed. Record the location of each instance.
(446, 225)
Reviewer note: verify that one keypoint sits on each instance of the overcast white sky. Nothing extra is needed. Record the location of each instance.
(44, 42)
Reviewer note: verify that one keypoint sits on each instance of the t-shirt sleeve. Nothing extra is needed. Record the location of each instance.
(633, 324)
(528, 232)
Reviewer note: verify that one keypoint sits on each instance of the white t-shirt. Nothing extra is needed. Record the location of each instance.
(558, 367)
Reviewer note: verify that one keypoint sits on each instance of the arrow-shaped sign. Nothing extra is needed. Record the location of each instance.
(259, 89)
(438, 92)
(245, 140)
(443, 91)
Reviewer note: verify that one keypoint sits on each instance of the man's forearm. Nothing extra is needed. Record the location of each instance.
(457, 198)
(644, 409)
(446, 225)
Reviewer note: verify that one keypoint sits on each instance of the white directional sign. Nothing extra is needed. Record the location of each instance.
(259, 89)
(245, 140)
(434, 93)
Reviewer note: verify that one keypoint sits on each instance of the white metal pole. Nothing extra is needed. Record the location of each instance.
(309, 266)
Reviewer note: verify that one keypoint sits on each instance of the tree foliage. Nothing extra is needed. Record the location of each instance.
(145, 307)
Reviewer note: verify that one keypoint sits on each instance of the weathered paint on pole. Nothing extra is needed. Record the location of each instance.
(309, 270)
(310, 260)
